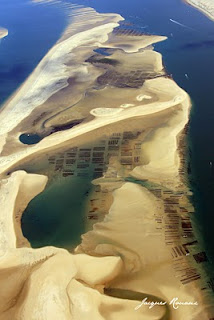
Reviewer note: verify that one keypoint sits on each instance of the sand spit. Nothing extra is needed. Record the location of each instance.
(205, 6)
(169, 95)
(52, 73)
(3, 32)
(160, 148)
(144, 247)
(147, 260)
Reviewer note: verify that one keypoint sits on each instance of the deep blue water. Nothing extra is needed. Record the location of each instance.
(188, 50)
(33, 30)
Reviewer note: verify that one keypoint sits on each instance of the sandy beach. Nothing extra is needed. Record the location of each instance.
(205, 6)
(144, 246)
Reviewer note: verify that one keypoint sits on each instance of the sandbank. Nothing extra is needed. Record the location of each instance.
(205, 6)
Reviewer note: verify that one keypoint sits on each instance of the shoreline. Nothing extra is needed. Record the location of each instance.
(201, 6)
(209, 13)
(60, 74)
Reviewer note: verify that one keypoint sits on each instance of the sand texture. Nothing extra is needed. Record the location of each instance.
(206, 6)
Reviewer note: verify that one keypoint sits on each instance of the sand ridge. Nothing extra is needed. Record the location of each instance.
(141, 110)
